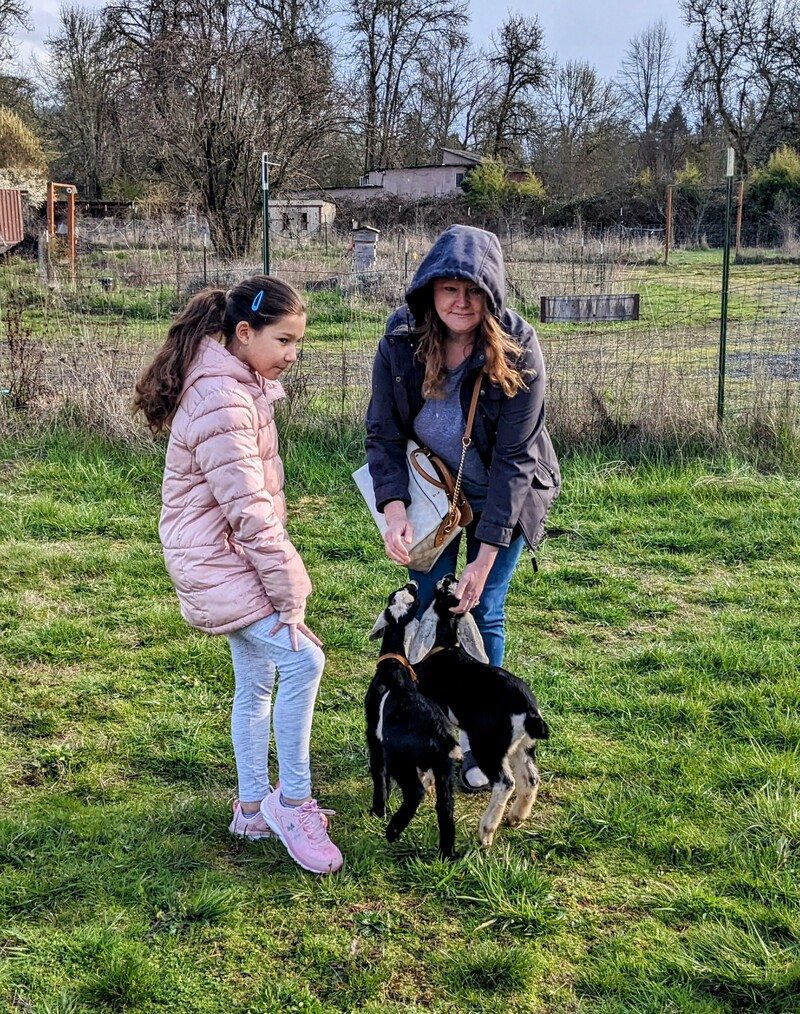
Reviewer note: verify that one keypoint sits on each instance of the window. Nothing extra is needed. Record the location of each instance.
(285, 225)
(363, 181)
(304, 220)
(460, 179)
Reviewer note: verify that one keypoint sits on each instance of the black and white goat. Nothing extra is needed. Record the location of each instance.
(407, 734)
(496, 710)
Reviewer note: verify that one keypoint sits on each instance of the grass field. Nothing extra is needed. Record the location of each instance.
(659, 872)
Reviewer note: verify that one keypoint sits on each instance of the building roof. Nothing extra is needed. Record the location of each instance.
(470, 155)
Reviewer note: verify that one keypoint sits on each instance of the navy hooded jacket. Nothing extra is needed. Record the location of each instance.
(508, 433)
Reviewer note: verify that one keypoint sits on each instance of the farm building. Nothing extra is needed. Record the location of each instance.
(415, 181)
(299, 216)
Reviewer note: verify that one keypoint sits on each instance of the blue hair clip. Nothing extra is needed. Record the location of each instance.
(257, 301)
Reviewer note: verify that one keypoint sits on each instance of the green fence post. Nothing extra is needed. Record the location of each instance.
(726, 270)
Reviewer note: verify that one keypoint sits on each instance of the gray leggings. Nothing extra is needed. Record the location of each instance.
(256, 657)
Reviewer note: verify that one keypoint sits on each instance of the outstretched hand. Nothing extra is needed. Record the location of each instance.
(470, 585)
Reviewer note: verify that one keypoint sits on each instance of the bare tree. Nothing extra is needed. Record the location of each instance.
(745, 54)
(218, 81)
(581, 137)
(83, 87)
(518, 58)
(13, 14)
(389, 36)
(648, 76)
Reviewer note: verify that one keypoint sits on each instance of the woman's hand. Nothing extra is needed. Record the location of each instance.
(473, 578)
(293, 628)
(399, 532)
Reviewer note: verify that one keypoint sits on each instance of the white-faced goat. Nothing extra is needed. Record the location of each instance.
(407, 734)
(496, 710)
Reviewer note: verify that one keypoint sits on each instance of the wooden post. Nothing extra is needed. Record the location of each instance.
(51, 208)
(72, 244)
(669, 225)
(739, 204)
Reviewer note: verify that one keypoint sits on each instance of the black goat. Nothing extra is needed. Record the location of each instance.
(496, 710)
(407, 734)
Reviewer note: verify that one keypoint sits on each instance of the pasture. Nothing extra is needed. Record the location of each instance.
(659, 871)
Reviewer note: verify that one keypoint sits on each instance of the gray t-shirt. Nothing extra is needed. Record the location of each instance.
(440, 426)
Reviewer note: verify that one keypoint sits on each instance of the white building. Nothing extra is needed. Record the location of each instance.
(299, 216)
(413, 181)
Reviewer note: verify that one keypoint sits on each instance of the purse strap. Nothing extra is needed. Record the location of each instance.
(466, 440)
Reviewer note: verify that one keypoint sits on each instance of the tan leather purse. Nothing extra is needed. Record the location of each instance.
(438, 508)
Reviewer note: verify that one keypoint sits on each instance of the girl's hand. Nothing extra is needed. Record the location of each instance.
(473, 578)
(399, 533)
(293, 628)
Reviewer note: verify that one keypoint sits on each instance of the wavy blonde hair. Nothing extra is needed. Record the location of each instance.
(502, 355)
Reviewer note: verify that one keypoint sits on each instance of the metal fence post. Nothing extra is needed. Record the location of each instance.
(726, 269)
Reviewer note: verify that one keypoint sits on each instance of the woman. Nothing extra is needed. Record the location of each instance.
(455, 325)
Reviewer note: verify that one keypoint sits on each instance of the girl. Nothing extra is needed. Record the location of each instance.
(453, 327)
(214, 384)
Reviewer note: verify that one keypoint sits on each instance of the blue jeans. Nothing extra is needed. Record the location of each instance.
(490, 613)
(256, 657)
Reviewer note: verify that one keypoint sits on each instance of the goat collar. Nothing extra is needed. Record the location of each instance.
(439, 648)
(402, 660)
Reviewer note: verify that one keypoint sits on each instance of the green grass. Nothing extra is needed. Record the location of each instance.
(659, 871)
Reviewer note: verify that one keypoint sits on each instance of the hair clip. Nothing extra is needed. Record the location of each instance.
(257, 301)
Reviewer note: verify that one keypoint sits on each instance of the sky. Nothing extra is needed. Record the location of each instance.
(587, 30)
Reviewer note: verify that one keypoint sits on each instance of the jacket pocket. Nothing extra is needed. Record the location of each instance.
(544, 477)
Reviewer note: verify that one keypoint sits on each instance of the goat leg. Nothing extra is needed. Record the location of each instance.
(413, 794)
(445, 810)
(380, 777)
(501, 793)
(526, 775)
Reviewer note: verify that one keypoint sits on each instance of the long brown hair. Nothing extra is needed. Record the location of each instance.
(502, 355)
(211, 313)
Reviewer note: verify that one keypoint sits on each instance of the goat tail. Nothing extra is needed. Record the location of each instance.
(535, 726)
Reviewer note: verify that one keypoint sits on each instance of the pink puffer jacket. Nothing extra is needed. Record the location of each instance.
(223, 515)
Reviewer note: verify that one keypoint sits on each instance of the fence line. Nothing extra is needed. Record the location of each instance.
(655, 377)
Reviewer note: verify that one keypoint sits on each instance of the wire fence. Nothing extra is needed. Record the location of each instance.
(81, 338)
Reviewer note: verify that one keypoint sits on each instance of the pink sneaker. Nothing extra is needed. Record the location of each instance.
(303, 830)
(254, 827)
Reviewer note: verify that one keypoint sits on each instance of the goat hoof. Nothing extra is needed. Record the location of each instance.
(392, 834)
(513, 820)
(378, 811)
(487, 839)
(449, 857)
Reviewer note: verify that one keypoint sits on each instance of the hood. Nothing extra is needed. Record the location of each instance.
(214, 360)
(461, 251)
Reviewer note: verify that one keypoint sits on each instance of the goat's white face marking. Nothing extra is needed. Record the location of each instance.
(402, 602)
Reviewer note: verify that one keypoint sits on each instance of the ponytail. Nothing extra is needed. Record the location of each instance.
(211, 313)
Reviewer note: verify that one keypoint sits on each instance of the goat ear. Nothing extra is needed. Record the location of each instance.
(408, 637)
(470, 637)
(425, 635)
(380, 625)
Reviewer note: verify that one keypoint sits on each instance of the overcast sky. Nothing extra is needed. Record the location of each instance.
(574, 29)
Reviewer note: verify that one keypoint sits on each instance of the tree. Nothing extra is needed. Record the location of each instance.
(581, 135)
(13, 14)
(86, 93)
(389, 37)
(745, 56)
(648, 76)
(217, 82)
(519, 61)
